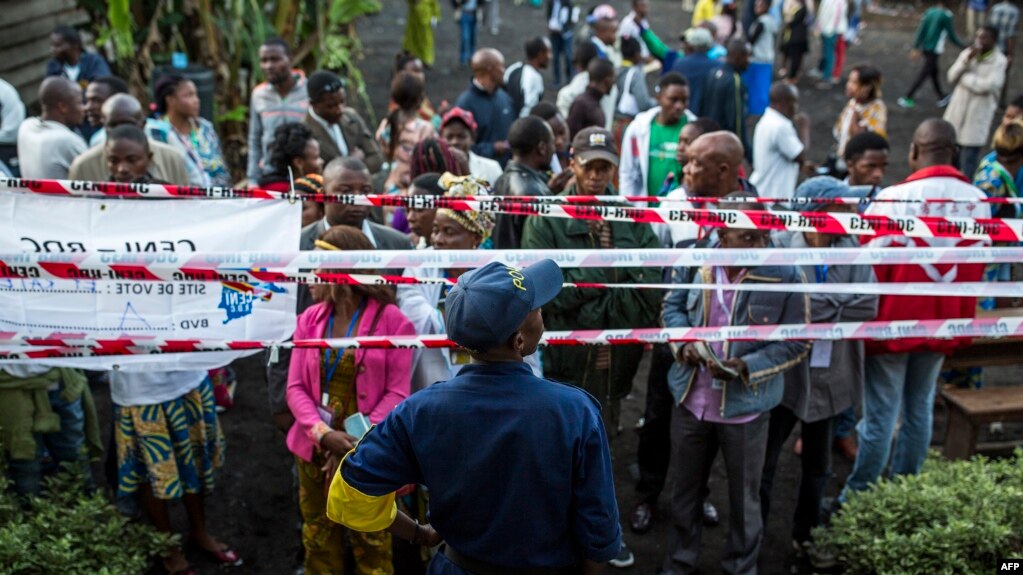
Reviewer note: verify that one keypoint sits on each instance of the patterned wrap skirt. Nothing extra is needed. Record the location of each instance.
(175, 446)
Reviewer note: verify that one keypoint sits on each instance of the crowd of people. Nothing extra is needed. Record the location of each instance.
(624, 114)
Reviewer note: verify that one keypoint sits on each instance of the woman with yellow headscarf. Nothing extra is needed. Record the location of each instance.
(423, 304)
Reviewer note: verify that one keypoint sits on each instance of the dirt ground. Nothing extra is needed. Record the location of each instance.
(254, 508)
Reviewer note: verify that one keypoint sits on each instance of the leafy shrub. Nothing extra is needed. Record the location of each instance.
(70, 533)
(955, 517)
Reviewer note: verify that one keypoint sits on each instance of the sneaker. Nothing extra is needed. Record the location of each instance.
(624, 559)
(821, 558)
(944, 101)
(815, 74)
(906, 103)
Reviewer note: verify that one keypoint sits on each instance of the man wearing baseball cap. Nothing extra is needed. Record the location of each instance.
(606, 372)
(518, 467)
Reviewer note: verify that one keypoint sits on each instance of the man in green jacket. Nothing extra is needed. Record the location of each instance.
(935, 27)
(606, 372)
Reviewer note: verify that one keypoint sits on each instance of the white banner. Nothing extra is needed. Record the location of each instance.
(111, 308)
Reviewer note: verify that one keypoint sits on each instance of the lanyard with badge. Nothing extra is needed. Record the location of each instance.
(720, 278)
(330, 366)
(820, 352)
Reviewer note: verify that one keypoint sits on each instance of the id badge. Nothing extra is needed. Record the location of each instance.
(820, 355)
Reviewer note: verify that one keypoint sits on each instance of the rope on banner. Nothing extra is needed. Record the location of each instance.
(77, 345)
(168, 191)
(317, 266)
(986, 229)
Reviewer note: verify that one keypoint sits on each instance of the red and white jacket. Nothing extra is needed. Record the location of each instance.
(943, 182)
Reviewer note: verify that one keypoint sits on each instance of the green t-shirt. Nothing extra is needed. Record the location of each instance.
(663, 145)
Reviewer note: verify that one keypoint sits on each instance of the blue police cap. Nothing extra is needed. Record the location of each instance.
(490, 303)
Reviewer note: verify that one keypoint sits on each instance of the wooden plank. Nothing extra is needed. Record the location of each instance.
(988, 404)
(18, 11)
(987, 352)
(39, 28)
(28, 75)
(998, 447)
(961, 435)
(18, 56)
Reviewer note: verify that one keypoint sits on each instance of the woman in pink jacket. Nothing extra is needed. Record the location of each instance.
(327, 386)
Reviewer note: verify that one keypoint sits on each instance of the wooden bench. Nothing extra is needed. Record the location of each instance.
(968, 409)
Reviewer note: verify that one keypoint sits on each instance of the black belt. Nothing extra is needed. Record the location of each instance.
(481, 568)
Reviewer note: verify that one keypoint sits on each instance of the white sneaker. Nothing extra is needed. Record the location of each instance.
(624, 559)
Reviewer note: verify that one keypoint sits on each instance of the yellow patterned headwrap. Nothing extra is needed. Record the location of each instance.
(480, 223)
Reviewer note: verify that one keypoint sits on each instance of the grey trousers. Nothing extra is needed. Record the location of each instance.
(694, 446)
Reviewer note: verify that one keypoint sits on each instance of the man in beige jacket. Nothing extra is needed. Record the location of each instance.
(168, 164)
(978, 75)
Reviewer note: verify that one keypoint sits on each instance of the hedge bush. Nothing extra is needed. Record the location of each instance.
(67, 532)
(955, 517)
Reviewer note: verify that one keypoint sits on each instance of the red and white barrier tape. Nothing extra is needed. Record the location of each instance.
(295, 266)
(77, 345)
(168, 191)
(991, 229)
(955, 289)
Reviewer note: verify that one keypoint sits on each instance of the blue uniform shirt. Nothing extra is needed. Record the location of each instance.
(517, 467)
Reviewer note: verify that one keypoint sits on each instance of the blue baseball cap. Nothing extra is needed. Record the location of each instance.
(488, 304)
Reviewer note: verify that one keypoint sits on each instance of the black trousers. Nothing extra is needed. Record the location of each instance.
(929, 70)
(816, 463)
(695, 444)
(654, 452)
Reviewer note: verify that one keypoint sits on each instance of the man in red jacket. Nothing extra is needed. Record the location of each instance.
(904, 372)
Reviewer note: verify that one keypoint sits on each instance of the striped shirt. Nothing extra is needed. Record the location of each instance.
(1005, 17)
(267, 111)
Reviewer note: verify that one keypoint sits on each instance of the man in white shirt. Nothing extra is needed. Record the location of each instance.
(523, 81)
(583, 56)
(605, 35)
(629, 28)
(778, 149)
(12, 112)
(47, 145)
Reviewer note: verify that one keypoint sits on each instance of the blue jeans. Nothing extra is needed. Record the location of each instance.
(894, 381)
(468, 36)
(844, 423)
(827, 63)
(561, 52)
(64, 446)
(969, 159)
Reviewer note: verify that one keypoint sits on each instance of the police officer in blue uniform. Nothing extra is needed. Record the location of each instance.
(517, 467)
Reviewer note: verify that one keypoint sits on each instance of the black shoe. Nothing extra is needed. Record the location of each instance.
(710, 514)
(642, 518)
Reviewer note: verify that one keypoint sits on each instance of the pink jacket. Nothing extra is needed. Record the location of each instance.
(382, 375)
